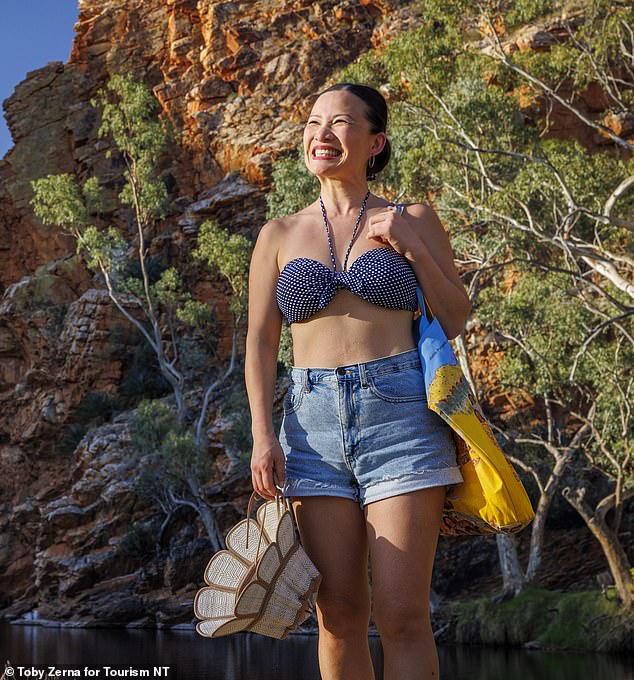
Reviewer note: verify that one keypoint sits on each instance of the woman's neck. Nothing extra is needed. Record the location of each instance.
(343, 199)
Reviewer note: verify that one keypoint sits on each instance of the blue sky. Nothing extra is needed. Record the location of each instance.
(32, 33)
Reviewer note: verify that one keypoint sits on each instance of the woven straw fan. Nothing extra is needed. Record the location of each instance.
(263, 582)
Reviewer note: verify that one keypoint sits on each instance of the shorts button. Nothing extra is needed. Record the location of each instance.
(341, 371)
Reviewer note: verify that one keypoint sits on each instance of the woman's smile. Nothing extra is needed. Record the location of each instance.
(325, 153)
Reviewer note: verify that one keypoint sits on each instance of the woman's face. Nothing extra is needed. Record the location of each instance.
(337, 123)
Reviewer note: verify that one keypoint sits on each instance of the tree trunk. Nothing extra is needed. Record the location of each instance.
(513, 581)
(209, 520)
(608, 540)
(537, 539)
(617, 561)
(539, 522)
(205, 513)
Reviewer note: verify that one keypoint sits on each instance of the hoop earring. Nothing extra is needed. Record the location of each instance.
(371, 163)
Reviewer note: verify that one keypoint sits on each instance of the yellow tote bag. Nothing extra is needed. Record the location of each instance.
(492, 498)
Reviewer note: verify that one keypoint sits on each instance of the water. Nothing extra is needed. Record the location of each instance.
(252, 657)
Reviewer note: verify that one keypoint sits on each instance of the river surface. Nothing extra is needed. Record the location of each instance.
(246, 656)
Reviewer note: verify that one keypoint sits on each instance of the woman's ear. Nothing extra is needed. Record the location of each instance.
(379, 143)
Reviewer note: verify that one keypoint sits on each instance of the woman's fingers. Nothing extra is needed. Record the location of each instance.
(257, 478)
(274, 477)
(279, 471)
(268, 470)
(255, 481)
(263, 482)
(383, 215)
(268, 484)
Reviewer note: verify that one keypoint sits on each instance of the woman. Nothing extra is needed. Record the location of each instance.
(365, 462)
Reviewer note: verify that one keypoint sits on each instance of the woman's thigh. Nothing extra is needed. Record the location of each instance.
(333, 533)
(403, 534)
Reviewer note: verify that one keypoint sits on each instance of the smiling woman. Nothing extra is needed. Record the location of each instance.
(358, 449)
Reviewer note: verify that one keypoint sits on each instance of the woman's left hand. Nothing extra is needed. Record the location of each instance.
(391, 228)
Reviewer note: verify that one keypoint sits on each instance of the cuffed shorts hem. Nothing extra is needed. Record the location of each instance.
(380, 490)
(387, 488)
(310, 487)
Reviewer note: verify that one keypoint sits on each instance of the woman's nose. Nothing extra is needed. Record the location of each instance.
(326, 139)
(324, 132)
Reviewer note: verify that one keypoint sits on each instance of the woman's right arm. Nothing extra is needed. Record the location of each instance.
(260, 371)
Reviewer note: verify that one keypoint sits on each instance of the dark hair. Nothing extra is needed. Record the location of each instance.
(376, 115)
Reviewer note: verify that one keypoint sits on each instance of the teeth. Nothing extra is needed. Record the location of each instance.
(328, 154)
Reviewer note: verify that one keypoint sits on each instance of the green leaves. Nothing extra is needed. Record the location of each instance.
(152, 422)
(103, 250)
(293, 186)
(426, 57)
(168, 288)
(157, 432)
(230, 254)
(129, 118)
(556, 346)
(59, 200)
(520, 12)
(544, 314)
(194, 313)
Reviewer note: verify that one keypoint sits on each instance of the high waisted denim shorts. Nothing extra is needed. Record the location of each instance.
(364, 431)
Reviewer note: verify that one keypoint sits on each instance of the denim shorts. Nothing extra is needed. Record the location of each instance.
(364, 431)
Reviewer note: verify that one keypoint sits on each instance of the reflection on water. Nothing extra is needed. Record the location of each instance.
(252, 657)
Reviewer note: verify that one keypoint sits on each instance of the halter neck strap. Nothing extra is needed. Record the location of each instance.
(356, 226)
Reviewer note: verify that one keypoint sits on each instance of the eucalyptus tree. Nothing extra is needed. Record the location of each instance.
(541, 226)
(153, 297)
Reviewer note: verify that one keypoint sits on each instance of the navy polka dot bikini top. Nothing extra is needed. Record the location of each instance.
(381, 276)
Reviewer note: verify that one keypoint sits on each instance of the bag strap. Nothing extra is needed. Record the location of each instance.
(429, 315)
(426, 310)
(279, 500)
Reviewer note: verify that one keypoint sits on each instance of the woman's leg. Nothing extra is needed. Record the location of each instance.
(333, 533)
(403, 534)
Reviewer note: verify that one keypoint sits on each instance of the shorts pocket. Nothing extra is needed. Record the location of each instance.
(293, 399)
(398, 386)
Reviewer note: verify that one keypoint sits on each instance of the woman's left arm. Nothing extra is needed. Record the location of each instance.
(422, 239)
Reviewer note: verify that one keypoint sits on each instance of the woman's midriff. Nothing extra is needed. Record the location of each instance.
(351, 330)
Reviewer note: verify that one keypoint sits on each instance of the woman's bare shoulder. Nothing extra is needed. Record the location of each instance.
(276, 232)
(289, 220)
(278, 227)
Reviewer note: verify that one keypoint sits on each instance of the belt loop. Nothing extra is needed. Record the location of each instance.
(305, 380)
(362, 376)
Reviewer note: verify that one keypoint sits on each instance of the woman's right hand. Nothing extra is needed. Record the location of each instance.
(267, 466)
